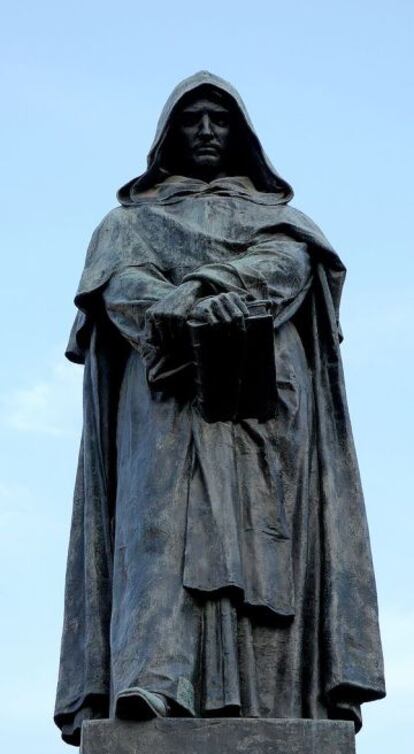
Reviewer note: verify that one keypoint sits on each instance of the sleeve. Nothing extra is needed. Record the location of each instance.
(277, 270)
(127, 298)
(129, 294)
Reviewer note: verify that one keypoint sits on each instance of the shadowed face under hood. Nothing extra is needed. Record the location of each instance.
(260, 170)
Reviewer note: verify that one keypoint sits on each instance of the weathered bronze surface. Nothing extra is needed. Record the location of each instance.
(219, 560)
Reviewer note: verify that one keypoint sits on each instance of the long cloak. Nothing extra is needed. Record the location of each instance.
(225, 565)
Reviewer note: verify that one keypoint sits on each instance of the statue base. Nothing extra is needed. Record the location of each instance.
(218, 736)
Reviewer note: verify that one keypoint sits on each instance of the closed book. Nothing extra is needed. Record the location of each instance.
(235, 369)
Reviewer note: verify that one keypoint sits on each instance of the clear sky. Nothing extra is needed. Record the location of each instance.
(329, 86)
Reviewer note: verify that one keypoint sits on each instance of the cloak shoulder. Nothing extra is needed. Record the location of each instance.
(109, 248)
(300, 225)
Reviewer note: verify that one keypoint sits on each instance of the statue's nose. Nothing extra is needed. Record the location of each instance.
(205, 125)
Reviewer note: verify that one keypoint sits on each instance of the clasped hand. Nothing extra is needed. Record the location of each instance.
(224, 307)
(168, 317)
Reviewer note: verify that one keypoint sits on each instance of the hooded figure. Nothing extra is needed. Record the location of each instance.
(216, 568)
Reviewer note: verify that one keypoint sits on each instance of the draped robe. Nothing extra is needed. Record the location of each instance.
(225, 565)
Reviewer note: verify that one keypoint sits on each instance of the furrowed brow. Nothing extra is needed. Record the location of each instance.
(201, 108)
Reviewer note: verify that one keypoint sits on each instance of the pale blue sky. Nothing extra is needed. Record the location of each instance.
(329, 86)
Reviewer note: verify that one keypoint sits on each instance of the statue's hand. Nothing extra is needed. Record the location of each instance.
(224, 307)
(168, 316)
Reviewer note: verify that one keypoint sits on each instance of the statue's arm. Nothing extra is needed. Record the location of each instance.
(278, 271)
(129, 294)
(150, 313)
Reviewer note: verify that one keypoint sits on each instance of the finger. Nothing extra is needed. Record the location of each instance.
(204, 313)
(220, 310)
(241, 302)
(211, 311)
(198, 314)
(235, 312)
(235, 307)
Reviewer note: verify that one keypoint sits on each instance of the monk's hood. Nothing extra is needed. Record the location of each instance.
(265, 177)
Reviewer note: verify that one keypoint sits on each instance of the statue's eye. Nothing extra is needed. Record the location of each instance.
(221, 120)
(189, 119)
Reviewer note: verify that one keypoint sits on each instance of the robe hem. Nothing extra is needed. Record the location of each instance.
(249, 604)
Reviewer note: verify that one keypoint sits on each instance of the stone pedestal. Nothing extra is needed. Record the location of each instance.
(218, 736)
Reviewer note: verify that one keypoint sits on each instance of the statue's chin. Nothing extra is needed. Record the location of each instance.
(206, 167)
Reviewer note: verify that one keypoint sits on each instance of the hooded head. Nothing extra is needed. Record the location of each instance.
(247, 155)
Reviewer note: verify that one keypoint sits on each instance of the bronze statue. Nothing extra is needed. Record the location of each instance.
(219, 563)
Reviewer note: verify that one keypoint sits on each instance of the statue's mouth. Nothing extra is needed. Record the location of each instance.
(207, 149)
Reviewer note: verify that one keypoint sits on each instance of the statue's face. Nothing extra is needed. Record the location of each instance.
(204, 129)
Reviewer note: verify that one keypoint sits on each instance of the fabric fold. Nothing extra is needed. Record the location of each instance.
(237, 534)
